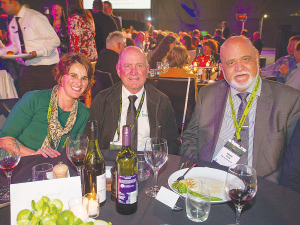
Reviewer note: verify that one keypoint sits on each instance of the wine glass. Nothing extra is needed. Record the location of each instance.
(241, 185)
(9, 159)
(77, 146)
(156, 155)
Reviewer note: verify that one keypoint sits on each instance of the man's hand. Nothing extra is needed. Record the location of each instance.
(33, 55)
(284, 69)
(47, 152)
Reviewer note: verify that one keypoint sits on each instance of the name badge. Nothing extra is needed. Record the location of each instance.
(115, 146)
(230, 154)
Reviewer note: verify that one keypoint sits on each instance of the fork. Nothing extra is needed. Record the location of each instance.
(182, 177)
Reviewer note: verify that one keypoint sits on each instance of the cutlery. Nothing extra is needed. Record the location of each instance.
(182, 177)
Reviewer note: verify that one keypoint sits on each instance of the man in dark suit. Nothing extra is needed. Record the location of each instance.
(271, 109)
(104, 25)
(257, 43)
(225, 30)
(218, 37)
(109, 56)
(108, 11)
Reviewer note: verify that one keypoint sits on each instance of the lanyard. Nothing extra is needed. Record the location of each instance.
(237, 126)
(137, 113)
(48, 133)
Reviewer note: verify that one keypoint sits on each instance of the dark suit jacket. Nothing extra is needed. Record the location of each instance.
(226, 33)
(117, 21)
(105, 109)
(278, 109)
(290, 176)
(107, 61)
(104, 25)
(258, 44)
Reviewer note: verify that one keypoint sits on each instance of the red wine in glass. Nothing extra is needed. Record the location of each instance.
(77, 160)
(239, 196)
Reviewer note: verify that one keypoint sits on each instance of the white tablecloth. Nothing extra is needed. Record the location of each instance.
(7, 87)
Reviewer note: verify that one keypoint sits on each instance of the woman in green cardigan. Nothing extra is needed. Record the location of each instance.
(43, 119)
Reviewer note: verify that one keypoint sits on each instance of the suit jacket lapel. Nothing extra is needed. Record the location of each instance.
(263, 110)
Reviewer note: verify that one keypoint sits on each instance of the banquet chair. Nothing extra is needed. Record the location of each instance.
(175, 89)
(103, 80)
(5, 107)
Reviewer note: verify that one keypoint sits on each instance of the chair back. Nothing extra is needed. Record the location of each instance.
(103, 80)
(5, 107)
(175, 89)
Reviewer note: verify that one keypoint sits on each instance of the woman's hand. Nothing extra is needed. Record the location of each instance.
(47, 152)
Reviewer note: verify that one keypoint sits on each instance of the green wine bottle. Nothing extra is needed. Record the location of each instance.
(94, 166)
(126, 174)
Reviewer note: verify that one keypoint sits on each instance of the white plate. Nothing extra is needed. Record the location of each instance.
(15, 56)
(212, 179)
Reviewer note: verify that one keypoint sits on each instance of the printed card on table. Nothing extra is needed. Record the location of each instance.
(22, 194)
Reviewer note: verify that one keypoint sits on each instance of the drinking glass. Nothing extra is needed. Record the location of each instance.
(241, 185)
(43, 171)
(197, 203)
(143, 167)
(77, 146)
(158, 68)
(156, 155)
(9, 159)
(79, 206)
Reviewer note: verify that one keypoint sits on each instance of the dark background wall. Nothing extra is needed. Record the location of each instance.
(176, 15)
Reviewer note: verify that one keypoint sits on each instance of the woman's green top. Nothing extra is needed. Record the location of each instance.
(27, 121)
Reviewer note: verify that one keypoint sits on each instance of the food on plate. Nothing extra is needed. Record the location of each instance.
(182, 185)
(60, 170)
(49, 212)
(10, 53)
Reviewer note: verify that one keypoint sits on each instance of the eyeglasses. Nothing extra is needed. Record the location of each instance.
(124, 45)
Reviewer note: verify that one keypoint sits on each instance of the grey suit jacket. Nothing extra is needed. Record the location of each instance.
(278, 109)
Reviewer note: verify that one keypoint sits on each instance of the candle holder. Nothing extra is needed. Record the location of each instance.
(94, 208)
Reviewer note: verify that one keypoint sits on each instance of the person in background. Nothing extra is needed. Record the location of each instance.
(187, 42)
(39, 40)
(177, 58)
(158, 40)
(272, 114)
(225, 30)
(104, 24)
(196, 37)
(4, 37)
(109, 11)
(257, 43)
(150, 28)
(109, 56)
(162, 50)
(58, 22)
(210, 47)
(207, 36)
(42, 120)
(285, 65)
(244, 33)
(110, 107)
(129, 42)
(218, 37)
(81, 30)
(293, 80)
(134, 34)
(139, 41)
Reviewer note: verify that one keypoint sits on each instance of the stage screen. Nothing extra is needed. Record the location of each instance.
(122, 4)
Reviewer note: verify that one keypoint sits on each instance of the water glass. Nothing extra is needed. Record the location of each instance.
(80, 208)
(197, 203)
(152, 72)
(158, 68)
(143, 167)
(94, 207)
(42, 171)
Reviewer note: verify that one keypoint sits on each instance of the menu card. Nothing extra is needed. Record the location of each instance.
(22, 194)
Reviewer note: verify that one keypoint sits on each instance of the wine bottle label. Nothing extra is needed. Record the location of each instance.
(101, 187)
(127, 189)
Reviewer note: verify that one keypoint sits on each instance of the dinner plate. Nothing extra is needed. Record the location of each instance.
(212, 179)
(15, 56)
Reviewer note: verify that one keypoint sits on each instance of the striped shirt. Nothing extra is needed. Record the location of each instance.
(227, 129)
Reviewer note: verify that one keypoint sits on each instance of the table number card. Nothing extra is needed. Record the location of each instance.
(23, 193)
(167, 197)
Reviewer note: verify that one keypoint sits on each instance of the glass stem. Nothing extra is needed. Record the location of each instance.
(78, 170)
(8, 175)
(155, 177)
(238, 211)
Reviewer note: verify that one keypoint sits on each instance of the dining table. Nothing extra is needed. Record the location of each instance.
(273, 204)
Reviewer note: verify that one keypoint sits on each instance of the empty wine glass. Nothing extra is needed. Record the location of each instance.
(77, 146)
(156, 155)
(241, 185)
(9, 159)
